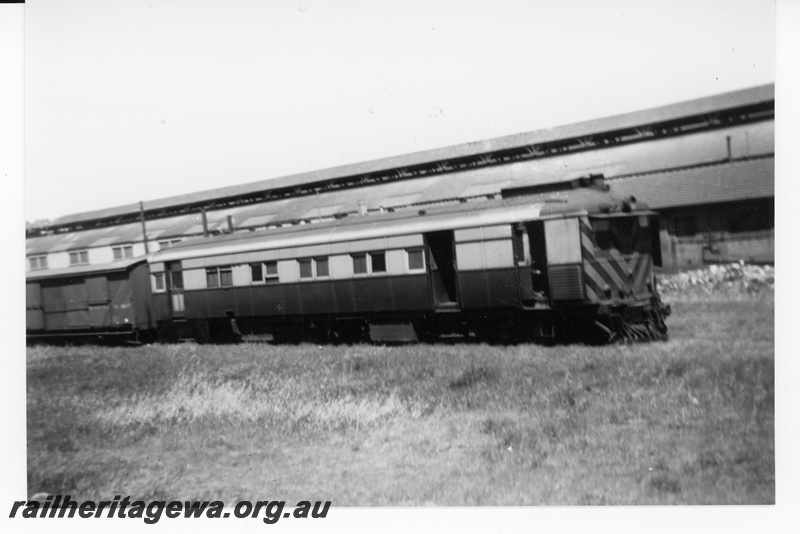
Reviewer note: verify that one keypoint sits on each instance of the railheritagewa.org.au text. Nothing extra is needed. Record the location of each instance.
(270, 512)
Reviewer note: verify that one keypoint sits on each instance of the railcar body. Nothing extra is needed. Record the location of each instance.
(576, 261)
(110, 301)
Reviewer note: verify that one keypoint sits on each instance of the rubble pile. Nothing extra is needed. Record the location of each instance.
(729, 278)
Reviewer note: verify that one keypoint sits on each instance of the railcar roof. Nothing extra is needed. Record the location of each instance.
(490, 212)
(83, 270)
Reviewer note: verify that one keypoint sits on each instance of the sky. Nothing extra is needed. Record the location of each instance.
(138, 100)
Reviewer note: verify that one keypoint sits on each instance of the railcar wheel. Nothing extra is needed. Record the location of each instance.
(167, 333)
(200, 331)
(426, 332)
(496, 332)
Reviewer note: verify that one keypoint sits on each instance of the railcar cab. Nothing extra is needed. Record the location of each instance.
(590, 252)
(583, 237)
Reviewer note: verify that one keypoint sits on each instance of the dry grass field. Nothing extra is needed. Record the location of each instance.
(686, 421)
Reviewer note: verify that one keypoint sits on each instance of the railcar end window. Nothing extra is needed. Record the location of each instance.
(79, 257)
(416, 259)
(38, 262)
(158, 281)
(625, 234)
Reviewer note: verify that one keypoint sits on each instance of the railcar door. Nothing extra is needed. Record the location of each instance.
(442, 268)
(175, 288)
(531, 257)
(564, 260)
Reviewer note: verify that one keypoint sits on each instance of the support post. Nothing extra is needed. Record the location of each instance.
(144, 228)
(205, 222)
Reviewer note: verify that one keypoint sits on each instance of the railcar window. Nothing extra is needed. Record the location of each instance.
(321, 265)
(38, 262)
(305, 268)
(79, 257)
(158, 278)
(219, 276)
(378, 260)
(124, 252)
(625, 234)
(256, 272)
(176, 280)
(226, 276)
(518, 245)
(266, 272)
(212, 277)
(416, 259)
(314, 267)
(359, 263)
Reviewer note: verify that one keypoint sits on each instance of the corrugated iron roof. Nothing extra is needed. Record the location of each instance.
(625, 160)
(699, 106)
(653, 156)
(727, 182)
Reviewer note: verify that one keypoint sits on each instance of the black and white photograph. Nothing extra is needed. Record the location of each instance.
(285, 260)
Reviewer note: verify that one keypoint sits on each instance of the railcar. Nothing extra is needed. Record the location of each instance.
(569, 260)
(90, 302)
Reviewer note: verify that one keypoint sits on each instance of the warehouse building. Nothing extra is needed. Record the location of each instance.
(707, 165)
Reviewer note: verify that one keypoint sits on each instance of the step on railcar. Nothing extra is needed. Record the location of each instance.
(565, 261)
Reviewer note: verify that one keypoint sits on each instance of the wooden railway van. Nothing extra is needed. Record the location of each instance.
(90, 301)
(520, 266)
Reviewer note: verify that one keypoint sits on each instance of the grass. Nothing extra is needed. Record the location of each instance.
(686, 421)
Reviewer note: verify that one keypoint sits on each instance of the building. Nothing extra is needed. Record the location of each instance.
(707, 165)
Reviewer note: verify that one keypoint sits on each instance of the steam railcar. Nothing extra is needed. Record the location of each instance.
(571, 260)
